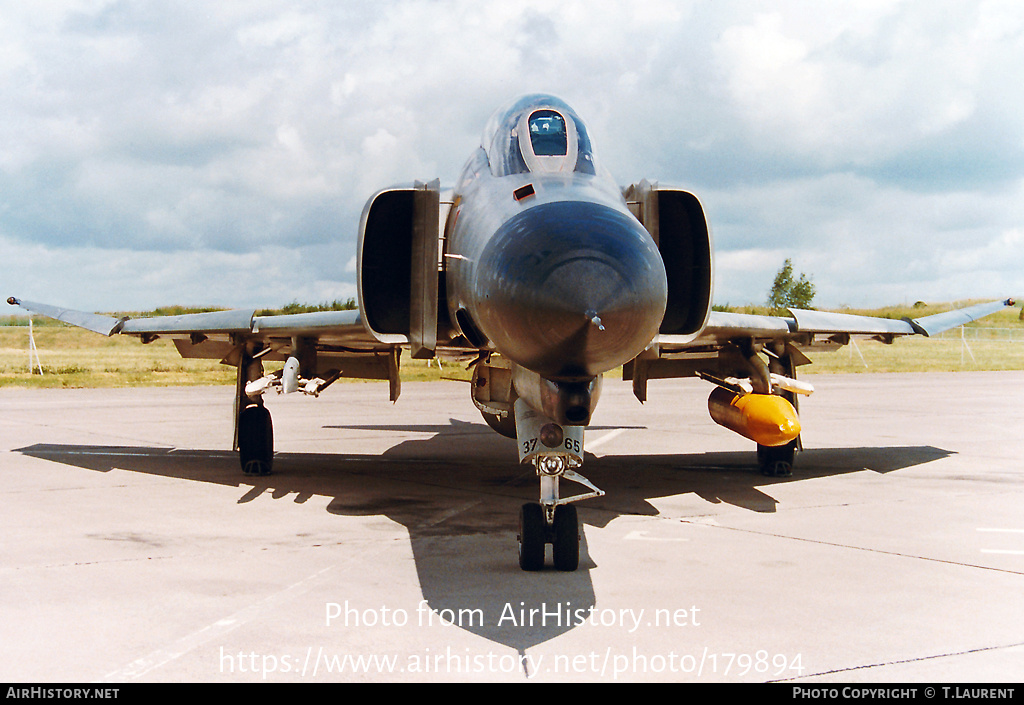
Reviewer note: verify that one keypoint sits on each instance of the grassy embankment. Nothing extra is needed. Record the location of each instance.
(72, 357)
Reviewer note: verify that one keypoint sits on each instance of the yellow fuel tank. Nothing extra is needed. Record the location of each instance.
(763, 418)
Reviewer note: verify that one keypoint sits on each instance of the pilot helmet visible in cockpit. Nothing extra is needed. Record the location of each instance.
(538, 134)
(551, 144)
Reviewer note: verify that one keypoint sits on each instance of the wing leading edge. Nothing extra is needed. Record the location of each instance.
(346, 323)
(805, 327)
(329, 342)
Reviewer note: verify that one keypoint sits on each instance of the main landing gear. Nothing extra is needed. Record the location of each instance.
(255, 441)
(776, 461)
(554, 451)
(783, 359)
(254, 429)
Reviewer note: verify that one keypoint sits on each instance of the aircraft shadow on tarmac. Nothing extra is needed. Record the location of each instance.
(458, 495)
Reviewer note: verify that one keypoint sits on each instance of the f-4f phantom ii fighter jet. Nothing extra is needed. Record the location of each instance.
(543, 270)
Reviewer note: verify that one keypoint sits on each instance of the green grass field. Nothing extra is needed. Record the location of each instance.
(72, 357)
(993, 343)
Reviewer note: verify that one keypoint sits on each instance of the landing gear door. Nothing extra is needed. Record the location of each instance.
(533, 439)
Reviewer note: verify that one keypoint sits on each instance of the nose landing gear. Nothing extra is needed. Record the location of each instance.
(535, 532)
(554, 451)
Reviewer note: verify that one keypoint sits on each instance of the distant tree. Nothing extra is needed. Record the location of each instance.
(788, 292)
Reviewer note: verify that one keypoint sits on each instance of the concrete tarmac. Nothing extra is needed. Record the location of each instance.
(384, 546)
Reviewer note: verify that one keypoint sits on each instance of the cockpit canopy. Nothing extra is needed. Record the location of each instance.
(537, 134)
(547, 134)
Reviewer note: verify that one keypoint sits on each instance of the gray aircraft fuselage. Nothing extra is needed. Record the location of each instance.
(545, 262)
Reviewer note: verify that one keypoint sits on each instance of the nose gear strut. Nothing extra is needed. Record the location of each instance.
(554, 452)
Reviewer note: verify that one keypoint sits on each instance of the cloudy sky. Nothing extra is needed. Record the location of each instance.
(220, 153)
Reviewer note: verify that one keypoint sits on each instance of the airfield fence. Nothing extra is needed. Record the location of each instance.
(972, 334)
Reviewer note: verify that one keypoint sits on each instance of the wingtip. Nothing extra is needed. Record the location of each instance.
(13, 301)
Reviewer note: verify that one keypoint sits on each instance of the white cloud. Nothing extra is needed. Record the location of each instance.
(268, 277)
(226, 150)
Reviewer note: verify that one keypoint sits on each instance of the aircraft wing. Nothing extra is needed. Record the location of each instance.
(807, 327)
(729, 340)
(340, 342)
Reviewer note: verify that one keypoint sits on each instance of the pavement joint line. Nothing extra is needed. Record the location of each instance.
(465, 506)
(898, 662)
(872, 550)
(601, 440)
(220, 627)
(694, 521)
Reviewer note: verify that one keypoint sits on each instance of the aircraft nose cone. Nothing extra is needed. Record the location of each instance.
(571, 289)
